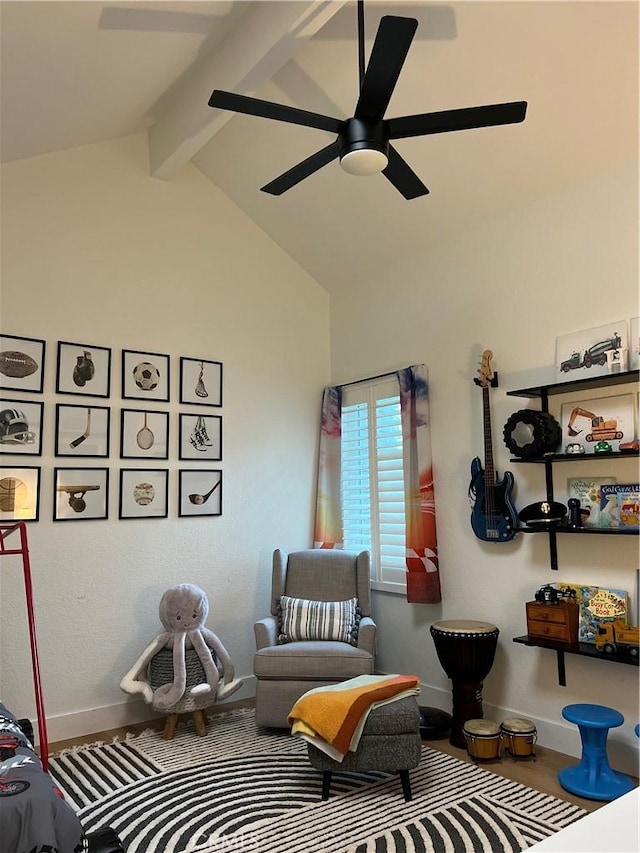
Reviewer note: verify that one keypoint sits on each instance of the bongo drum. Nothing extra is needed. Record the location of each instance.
(466, 650)
(519, 737)
(483, 738)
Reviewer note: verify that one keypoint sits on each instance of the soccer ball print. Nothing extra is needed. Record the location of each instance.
(146, 375)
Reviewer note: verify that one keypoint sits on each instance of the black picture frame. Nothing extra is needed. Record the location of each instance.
(144, 434)
(82, 431)
(144, 493)
(22, 363)
(201, 483)
(200, 382)
(25, 493)
(83, 369)
(145, 375)
(21, 427)
(200, 437)
(80, 494)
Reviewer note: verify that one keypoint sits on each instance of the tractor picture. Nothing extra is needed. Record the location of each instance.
(601, 429)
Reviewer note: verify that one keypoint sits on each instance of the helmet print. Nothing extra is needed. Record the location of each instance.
(14, 428)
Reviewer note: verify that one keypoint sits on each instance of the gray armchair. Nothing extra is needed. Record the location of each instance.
(285, 671)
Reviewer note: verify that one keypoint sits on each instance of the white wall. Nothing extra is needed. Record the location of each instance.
(567, 263)
(96, 251)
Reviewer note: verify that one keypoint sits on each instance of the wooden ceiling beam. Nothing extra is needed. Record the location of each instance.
(268, 36)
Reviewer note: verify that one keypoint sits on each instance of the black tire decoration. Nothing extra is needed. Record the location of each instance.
(529, 433)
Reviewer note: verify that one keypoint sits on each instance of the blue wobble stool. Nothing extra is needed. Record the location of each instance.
(593, 777)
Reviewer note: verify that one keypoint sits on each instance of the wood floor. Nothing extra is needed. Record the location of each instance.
(539, 774)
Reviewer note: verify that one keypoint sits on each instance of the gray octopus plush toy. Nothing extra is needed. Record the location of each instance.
(183, 611)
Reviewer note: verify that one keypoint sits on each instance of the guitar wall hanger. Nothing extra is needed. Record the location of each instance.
(492, 381)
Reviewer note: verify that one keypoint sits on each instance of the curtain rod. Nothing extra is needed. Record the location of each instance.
(368, 378)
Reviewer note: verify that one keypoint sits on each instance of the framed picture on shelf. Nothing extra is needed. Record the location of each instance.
(22, 363)
(80, 494)
(144, 493)
(200, 382)
(593, 352)
(21, 427)
(145, 375)
(83, 369)
(19, 493)
(634, 343)
(82, 430)
(200, 437)
(144, 434)
(588, 422)
(200, 492)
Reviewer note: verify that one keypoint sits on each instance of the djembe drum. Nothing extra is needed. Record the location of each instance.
(466, 650)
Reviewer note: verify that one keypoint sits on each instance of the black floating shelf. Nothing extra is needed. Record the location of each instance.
(577, 384)
(578, 457)
(606, 531)
(585, 649)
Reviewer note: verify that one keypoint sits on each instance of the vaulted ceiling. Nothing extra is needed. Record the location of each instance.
(75, 73)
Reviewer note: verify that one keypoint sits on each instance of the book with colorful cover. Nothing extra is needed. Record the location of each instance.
(588, 491)
(620, 506)
(599, 604)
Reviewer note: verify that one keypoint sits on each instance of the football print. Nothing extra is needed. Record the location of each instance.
(146, 376)
(17, 364)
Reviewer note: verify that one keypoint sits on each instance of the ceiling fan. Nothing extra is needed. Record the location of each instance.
(363, 142)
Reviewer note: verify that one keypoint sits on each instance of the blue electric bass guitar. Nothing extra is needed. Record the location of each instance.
(493, 516)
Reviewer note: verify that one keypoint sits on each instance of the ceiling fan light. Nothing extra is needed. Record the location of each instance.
(364, 161)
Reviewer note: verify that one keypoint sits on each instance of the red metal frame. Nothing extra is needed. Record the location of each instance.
(5, 531)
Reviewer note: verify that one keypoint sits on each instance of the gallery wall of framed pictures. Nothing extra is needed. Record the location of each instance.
(138, 408)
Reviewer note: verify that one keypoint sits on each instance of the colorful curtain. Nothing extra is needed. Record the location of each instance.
(423, 576)
(328, 527)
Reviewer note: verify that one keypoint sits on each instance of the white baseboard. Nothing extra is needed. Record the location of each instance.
(558, 735)
(622, 751)
(132, 711)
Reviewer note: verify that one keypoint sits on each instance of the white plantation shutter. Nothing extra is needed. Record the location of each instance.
(372, 479)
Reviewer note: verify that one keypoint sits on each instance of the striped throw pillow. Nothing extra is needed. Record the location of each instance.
(301, 619)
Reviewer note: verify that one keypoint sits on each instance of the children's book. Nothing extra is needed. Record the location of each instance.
(620, 506)
(588, 491)
(599, 604)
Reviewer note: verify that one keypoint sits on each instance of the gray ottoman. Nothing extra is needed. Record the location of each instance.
(390, 742)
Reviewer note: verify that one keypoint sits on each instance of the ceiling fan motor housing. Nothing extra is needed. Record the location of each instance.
(358, 133)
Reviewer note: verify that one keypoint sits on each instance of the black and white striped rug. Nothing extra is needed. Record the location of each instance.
(250, 790)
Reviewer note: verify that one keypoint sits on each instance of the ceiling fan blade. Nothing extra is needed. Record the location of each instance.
(267, 109)
(302, 170)
(463, 119)
(403, 177)
(388, 54)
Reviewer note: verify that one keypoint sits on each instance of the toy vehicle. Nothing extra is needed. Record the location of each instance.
(573, 362)
(612, 637)
(629, 446)
(597, 354)
(548, 594)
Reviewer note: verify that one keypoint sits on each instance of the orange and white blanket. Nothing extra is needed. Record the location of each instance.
(332, 718)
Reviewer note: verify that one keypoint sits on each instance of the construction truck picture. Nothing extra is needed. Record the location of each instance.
(596, 354)
(617, 636)
(601, 429)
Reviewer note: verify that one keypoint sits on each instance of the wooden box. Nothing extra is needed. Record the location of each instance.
(557, 622)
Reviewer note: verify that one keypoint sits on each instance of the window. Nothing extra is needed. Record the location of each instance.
(372, 485)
